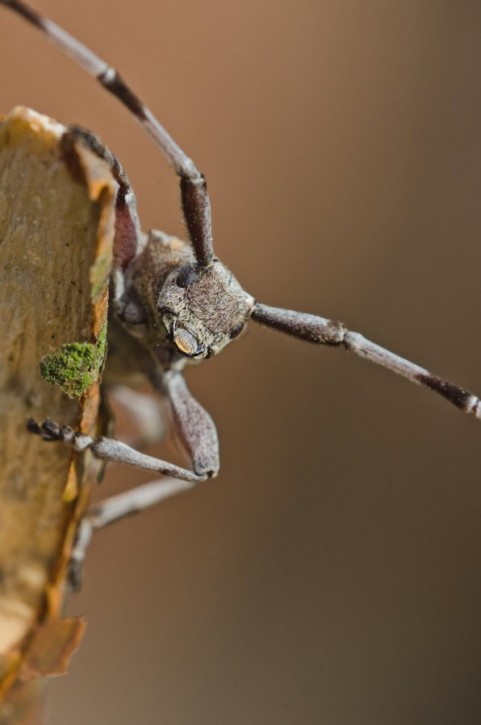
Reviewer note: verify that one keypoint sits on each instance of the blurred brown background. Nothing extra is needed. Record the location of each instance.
(331, 573)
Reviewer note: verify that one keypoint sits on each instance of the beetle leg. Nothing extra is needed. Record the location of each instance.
(113, 509)
(195, 428)
(114, 451)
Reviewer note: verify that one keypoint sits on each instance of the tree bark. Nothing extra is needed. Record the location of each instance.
(56, 234)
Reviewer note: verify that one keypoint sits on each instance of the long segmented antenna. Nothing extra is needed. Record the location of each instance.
(195, 200)
(321, 331)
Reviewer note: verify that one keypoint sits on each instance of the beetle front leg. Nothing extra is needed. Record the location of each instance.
(194, 426)
(198, 435)
(111, 450)
(205, 459)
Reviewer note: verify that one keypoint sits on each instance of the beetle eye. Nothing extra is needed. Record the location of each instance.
(185, 342)
(186, 276)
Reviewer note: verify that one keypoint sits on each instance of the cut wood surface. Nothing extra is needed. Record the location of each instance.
(56, 232)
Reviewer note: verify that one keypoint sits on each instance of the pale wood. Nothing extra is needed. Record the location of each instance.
(56, 234)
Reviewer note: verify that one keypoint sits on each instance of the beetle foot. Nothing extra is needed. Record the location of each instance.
(51, 431)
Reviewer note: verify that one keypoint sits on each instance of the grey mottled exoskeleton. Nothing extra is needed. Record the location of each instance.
(174, 301)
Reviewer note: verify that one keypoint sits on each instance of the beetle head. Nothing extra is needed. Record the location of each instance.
(173, 303)
(202, 308)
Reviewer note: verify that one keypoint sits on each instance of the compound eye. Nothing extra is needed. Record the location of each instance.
(186, 343)
(187, 275)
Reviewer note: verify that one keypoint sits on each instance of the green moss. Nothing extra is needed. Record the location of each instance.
(75, 366)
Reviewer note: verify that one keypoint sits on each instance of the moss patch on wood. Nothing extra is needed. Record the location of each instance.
(75, 366)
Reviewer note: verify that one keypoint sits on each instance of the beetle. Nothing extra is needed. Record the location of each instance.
(173, 302)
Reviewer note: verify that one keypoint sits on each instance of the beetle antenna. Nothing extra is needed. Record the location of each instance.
(193, 188)
(320, 331)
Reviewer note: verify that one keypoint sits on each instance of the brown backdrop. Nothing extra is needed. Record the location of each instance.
(331, 573)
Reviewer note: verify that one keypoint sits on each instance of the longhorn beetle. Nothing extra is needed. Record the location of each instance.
(174, 301)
